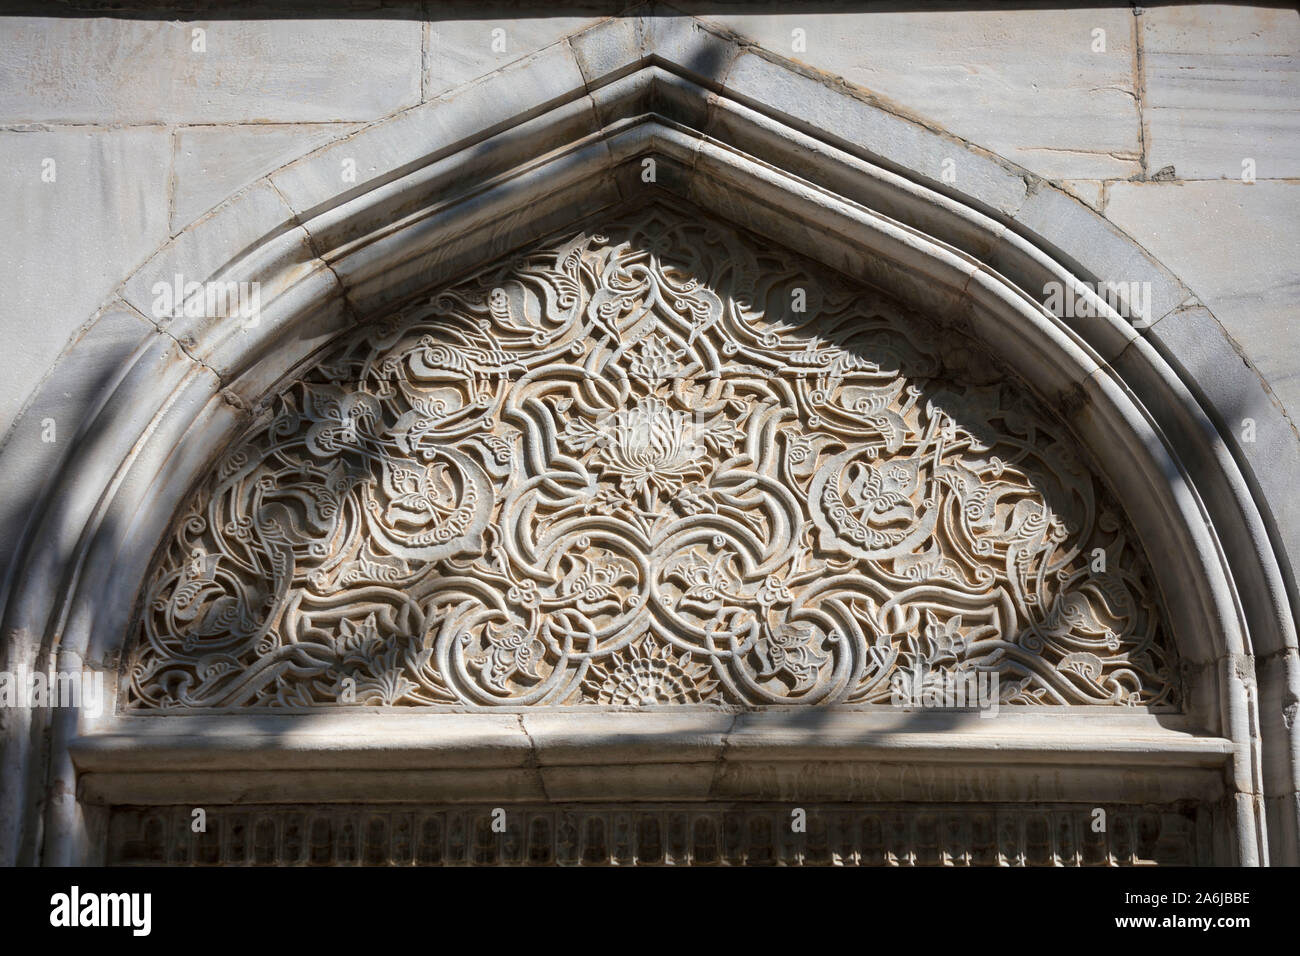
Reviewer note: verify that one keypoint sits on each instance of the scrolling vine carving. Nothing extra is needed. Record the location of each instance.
(662, 464)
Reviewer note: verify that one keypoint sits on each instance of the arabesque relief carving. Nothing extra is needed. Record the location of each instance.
(657, 464)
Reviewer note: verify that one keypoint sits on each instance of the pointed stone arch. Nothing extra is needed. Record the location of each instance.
(835, 177)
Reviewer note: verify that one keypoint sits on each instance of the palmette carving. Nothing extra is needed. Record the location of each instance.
(626, 470)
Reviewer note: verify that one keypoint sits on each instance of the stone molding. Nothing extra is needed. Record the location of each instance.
(561, 136)
(655, 835)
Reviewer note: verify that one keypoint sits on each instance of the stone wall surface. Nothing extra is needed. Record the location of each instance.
(1164, 140)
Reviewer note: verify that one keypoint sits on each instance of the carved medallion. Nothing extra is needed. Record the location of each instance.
(663, 464)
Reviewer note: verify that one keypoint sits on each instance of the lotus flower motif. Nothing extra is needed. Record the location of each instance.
(651, 449)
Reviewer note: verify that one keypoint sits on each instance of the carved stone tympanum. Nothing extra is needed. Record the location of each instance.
(659, 463)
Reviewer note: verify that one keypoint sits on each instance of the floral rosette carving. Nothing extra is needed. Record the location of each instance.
(626, 470)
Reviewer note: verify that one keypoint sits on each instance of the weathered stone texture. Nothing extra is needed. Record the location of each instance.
(1208, 232)
(1222, 86)
(1023, 83)
(458, 51)
(69, 242)
(109, 71)
(214, 162)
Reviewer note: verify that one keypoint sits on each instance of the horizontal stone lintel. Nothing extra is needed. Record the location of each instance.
(794, 781)
(656, 756)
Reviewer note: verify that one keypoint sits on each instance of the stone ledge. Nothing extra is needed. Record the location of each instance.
(340, 740)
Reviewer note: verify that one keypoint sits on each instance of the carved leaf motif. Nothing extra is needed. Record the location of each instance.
(618, 470)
